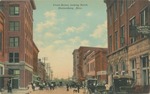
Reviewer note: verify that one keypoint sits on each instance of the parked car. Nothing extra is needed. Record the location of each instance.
(90, 85)
(122, 85)
(100, 89)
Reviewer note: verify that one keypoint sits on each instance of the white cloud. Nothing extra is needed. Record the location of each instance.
(101, 29)
(51, 14)
(51, 20)
(72, 29)
(84, 43)
(49, 34)
(59, 41)
(89, 14)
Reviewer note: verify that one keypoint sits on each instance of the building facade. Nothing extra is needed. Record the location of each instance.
(75, 64)
(2, 47)
(41, 71)
(129, 49)
(95, 64)
(19, 46)
(86, 60)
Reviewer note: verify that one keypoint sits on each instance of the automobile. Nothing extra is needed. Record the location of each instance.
(122, 85)
(100, 89)
(90, 85)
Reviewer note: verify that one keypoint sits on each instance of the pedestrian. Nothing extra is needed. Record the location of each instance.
(33, 87)
(78, 88)
(30, 88)
(67, 87)
(9, 86)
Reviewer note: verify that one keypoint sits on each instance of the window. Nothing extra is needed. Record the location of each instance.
(13, 71)
(14, 42)
(1, 70)
(14, 25)
(14, 10)
(145, 69)
(1, 6)
(144, 17)
(130, 2)
(121, 7)
(110, 16)
(123, 67)
(115, 10)
(122, 37)
(116, 69)
(13, 57)
(110, 43)
(116, 40)
(132, 30)
(0, 41)
(133, 68)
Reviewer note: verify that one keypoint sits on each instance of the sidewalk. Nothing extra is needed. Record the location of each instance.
(16, 91)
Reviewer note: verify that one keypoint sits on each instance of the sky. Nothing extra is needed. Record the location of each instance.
(60, 26)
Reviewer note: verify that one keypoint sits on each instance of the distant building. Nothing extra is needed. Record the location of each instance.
(95, 64)
(82, 69)
(41, 71)
(75, 64)
(129, 49)
(20, 50)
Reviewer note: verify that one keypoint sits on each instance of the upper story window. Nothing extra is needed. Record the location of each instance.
(121, 7)
(122, 36)
(115, 9)
(130, 2)
(110, 16)
(13, 57)
(0, 41)
(144, 17)
(1, 6)
(14, 25)
(14, 42)
(14, 10)
(110, 43)
(132, 30)
(116, 40)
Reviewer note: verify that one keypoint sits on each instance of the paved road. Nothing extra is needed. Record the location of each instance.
(61, 90)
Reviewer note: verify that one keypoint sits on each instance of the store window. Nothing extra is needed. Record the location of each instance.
(1, 70)
(133, 68)
(145, 69)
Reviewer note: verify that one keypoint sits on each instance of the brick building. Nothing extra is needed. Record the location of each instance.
(20, 51)
(80, 61)
(2, 46)
(41, 71)
(95, 64)
(75, 64)
(129, 49)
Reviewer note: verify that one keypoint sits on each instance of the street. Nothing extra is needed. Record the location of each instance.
(59, 90)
